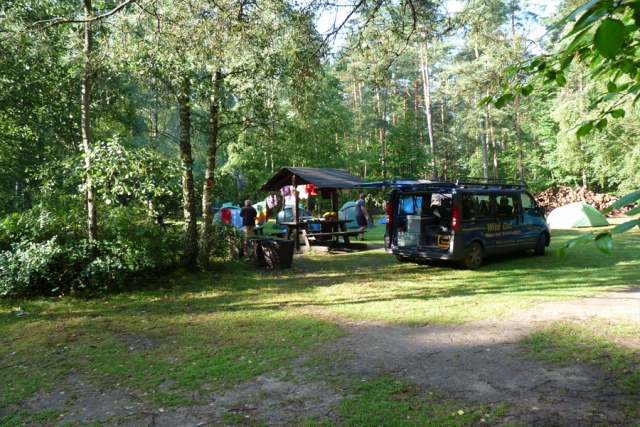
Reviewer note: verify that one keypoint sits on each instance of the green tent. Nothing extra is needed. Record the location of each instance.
(576, 215)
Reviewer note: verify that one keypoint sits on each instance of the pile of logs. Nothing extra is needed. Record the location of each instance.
(552, 198)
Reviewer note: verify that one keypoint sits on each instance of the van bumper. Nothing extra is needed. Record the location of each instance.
(453, 253)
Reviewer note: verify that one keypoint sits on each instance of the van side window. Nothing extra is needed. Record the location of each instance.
(528, 202)
(469, 207)
(484, 206)
(504, 206)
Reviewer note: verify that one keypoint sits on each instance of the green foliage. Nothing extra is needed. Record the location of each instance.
(603, 240)
(227, 242)
(122, 174)
(609, 37)
(40, 256)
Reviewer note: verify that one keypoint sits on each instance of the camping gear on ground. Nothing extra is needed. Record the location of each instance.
(576, 214)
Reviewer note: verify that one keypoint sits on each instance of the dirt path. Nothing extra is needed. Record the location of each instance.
(477, 362)
(480, 361)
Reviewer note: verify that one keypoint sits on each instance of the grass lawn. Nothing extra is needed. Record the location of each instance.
(209, 331)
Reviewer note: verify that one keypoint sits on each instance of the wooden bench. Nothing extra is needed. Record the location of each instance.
(336, 234)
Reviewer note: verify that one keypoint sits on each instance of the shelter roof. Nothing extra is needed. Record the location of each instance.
(320, 177)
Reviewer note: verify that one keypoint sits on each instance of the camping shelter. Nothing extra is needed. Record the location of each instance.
(576, 214)
(326, 180)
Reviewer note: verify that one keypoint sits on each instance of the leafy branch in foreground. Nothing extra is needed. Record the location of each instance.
(604, 240)
(604, 37)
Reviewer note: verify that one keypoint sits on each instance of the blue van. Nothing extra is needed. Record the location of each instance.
(464, 221)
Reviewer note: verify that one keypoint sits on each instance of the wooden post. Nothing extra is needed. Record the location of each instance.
(334, 197)
(296, 215)
(294, 210)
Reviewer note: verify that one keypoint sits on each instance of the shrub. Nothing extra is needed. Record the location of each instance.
(227, 241)
(48, 257)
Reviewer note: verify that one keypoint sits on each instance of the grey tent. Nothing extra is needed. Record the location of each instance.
(286, 215)
(348, 212)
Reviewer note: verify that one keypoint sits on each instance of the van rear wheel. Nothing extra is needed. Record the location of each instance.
(473, 258)
(401, 258)
(541, 245)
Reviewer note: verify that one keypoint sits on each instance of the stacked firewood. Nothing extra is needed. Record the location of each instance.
(552, 198)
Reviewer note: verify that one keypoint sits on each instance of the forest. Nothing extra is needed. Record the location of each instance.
(116, 112)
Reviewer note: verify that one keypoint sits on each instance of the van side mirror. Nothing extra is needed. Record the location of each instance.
(539, 211)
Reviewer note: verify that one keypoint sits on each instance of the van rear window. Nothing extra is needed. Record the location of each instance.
(421, 204)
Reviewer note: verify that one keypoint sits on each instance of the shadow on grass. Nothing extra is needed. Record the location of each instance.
(369, 277)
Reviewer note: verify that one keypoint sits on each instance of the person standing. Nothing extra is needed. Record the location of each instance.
(248, 214)
(362, 215)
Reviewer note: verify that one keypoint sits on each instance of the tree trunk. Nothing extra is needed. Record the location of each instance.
(483, 139)
(426, 80)
(92, 216)
(442, 139)
(519, 134)
(188, 190)
(209, 174)
(382, 133)
(496, 173)
(518, 120)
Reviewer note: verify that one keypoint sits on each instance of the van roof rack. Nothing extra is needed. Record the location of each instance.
(469, 181)
(405, 182)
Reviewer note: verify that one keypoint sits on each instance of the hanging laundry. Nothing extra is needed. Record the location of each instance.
(311, 189)
(272, 201)
(285, 191)
(225, 214)
(261, 208)
(302, 192)
(326, 193)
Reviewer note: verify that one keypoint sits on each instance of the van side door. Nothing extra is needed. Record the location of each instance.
(478, 222)
(506, 210)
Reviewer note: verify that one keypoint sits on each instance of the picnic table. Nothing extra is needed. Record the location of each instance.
(332, 229)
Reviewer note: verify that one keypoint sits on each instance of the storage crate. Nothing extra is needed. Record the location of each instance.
(418, 223)
(413, 239)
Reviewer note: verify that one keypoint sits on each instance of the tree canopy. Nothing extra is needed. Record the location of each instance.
(165, 109)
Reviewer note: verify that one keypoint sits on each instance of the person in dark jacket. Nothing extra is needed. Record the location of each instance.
(248, 214)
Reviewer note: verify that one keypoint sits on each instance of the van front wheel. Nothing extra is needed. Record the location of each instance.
(473, 258)
(401, 258)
